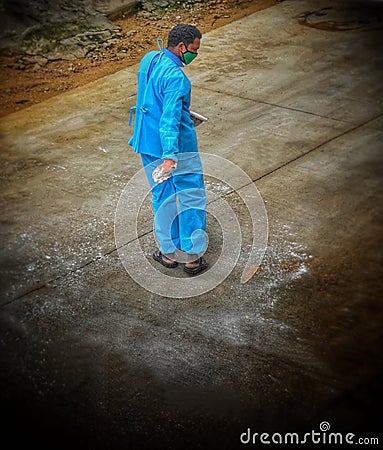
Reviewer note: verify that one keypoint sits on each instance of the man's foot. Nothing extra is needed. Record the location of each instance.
(162, 259)
(195, 267)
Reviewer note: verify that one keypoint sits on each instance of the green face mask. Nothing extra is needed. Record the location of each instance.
(188, 56)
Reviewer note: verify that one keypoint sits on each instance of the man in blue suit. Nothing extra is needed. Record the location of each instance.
(165, 136)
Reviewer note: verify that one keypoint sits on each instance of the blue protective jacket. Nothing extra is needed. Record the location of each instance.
(162, 126)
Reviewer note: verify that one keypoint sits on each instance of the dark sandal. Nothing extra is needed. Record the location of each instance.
(202, 265)
(158, 256)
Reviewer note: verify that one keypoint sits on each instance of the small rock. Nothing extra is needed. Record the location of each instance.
(35, 59)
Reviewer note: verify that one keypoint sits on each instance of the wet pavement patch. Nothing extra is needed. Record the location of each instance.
(344, 19)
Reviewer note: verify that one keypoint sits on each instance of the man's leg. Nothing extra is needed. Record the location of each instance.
(164, 208)
(188, 180)
(192, 214)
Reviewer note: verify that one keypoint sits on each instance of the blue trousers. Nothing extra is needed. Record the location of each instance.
(179, 205)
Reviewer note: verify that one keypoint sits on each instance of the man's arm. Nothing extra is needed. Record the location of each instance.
(176, 88)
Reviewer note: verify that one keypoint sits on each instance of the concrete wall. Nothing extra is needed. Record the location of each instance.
(54, 29)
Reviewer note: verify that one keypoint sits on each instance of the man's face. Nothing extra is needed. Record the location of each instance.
(187, 54)
(194, 46)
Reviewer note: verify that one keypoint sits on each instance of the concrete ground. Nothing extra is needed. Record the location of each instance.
(92, 359)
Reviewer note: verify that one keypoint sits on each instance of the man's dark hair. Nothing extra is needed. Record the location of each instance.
(183, 33)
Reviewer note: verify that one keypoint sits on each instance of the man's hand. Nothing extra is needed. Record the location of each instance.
(164, 170)
(167, 165)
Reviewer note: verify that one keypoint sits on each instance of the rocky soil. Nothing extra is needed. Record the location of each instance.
(25, 81)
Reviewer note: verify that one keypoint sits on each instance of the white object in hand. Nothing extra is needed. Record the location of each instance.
(159, 174)
(197, 118)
